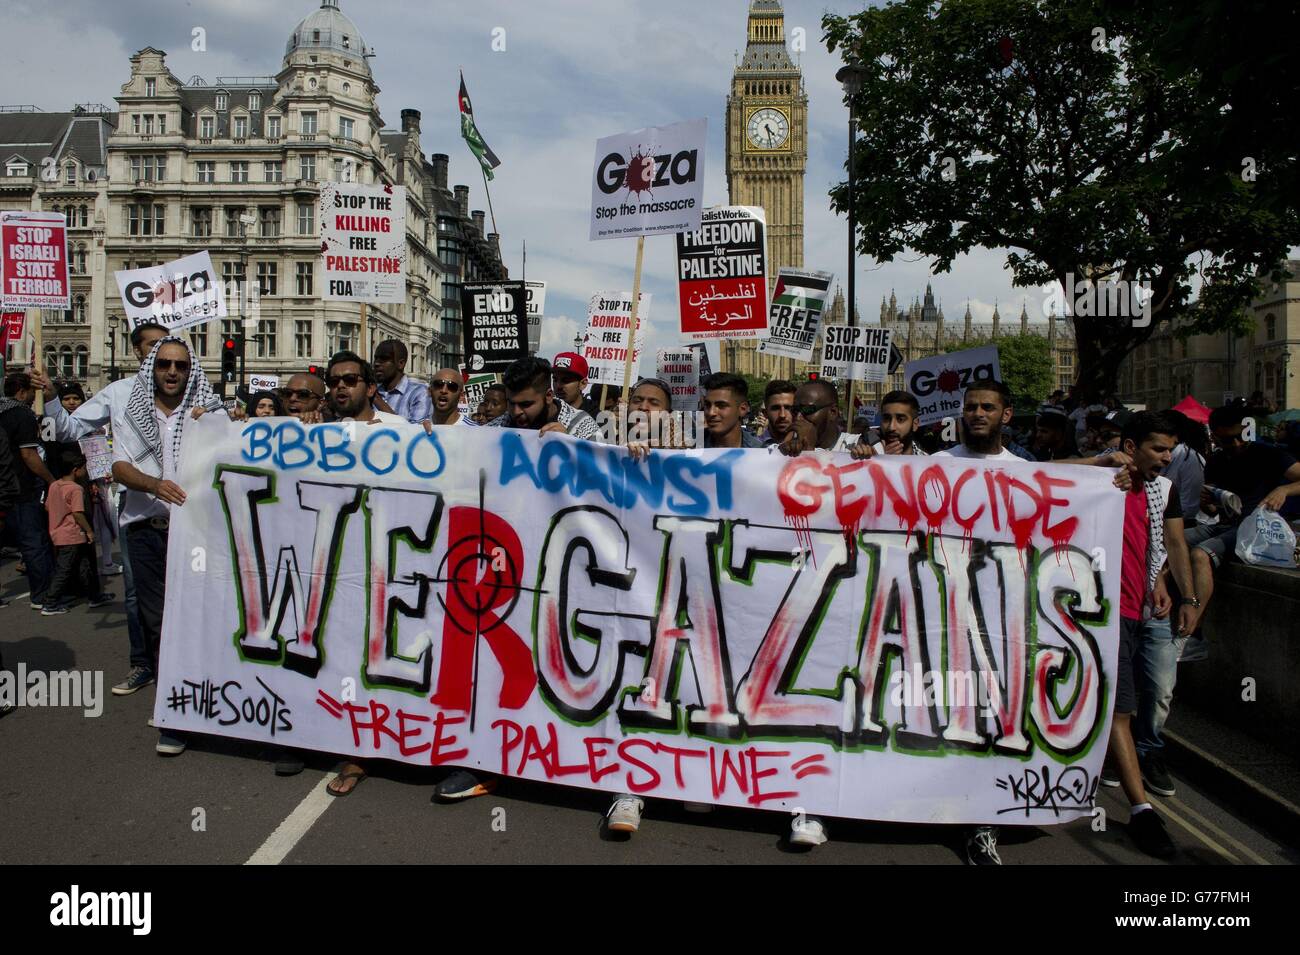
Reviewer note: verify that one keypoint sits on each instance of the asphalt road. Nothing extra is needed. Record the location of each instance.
(79, 790)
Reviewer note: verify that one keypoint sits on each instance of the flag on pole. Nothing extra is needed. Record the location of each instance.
(481, 150)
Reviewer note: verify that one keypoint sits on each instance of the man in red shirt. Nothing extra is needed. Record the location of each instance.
(1153, 529)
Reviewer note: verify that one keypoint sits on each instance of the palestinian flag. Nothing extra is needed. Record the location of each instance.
(486, 157)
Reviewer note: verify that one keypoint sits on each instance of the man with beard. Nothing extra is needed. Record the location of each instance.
(352, 386)
(899, 411)
(531, 403)
(146, 459)
(778, 408)
(106, 406)
(986, 411)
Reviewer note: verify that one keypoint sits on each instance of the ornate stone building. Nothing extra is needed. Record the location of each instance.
(58, 162)
(767, 153)
(1211, 368)
(234, 166)
(921, 330)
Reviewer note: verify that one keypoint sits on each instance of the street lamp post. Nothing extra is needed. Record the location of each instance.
(850, 77)
(245, 220)
(112, 348)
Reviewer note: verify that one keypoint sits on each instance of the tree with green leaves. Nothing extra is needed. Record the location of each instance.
(1081, 137)
(1027, 368)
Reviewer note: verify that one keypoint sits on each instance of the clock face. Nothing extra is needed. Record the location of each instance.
(767, 128)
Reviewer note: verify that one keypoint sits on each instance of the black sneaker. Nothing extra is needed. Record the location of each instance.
(137, 679)
(1156, 777)
(101, 601)
(1147, 830)
(462, 785)
(1109, 779)
(982, 846)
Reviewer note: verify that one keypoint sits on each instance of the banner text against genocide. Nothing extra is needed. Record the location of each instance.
(726, 626)
(731, 626)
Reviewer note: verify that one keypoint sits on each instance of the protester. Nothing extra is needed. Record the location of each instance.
(817, 422)
(1153, 527)
(71, 396)
(303, 395)
(106, 406)
(494, 402)
(778, 409)
(353, 390)
(27, 517)
(398, 393)
(265, 404)
(73, 538)
(444, 392)
(1054, 438)
(1259, 475)
(532, 404)
(899, 413)
(1187, 463)
(725, 402)
(10, 464)
(146, 460)
(986, 411)
(569, 379)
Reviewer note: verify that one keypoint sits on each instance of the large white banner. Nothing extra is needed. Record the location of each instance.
(649, 181)
(363, 242)
(926, 642)
(177, 294)
(940, 381)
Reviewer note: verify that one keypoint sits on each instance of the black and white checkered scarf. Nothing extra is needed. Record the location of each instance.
(1158, 490)
(141, 438)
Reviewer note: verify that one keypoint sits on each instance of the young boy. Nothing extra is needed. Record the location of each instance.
(72, 536)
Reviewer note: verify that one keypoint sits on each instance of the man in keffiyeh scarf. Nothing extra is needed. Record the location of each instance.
(168, 391)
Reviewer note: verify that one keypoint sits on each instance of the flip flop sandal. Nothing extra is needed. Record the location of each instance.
(358, 775)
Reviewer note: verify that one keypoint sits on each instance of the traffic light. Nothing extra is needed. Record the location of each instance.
(813, 375)
(229, 360)
(316, 370)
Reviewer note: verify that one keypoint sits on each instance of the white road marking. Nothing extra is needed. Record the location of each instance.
(1235, 843)
(295, 825)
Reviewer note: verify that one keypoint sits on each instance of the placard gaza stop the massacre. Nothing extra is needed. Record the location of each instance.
(34, 260)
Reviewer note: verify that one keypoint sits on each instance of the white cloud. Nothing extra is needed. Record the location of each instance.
(571, 73)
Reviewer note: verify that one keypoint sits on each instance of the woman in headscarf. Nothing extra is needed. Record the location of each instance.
(265, 404)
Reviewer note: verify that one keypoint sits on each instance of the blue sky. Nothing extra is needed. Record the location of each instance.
(570, 73)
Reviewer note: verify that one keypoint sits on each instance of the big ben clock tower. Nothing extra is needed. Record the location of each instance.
(767, 153)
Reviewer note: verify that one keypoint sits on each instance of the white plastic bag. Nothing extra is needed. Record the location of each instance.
(1266, 539)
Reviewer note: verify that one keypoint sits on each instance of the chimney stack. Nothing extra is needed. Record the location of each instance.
(410, 120)
(462, 201)
(478, 215)
(439, 162)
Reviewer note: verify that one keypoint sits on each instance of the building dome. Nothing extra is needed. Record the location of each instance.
(327, 29)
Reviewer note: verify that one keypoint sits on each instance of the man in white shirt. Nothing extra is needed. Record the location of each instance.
(817, 422)
(103, 408)
(147, 430)
(899, 412)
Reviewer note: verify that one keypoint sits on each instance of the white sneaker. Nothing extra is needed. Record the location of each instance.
(112, 571)
(807, 831)
(625, 814)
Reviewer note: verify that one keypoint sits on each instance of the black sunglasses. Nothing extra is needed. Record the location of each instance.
(445, 383)
(808, 410)
(350, 380)
(167, 364)
(302, 394)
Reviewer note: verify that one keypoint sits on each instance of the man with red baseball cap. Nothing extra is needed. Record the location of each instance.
(569, 380)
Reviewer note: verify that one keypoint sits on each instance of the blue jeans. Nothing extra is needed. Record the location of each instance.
(31, 525)
(140, 656)
(1156, 672)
